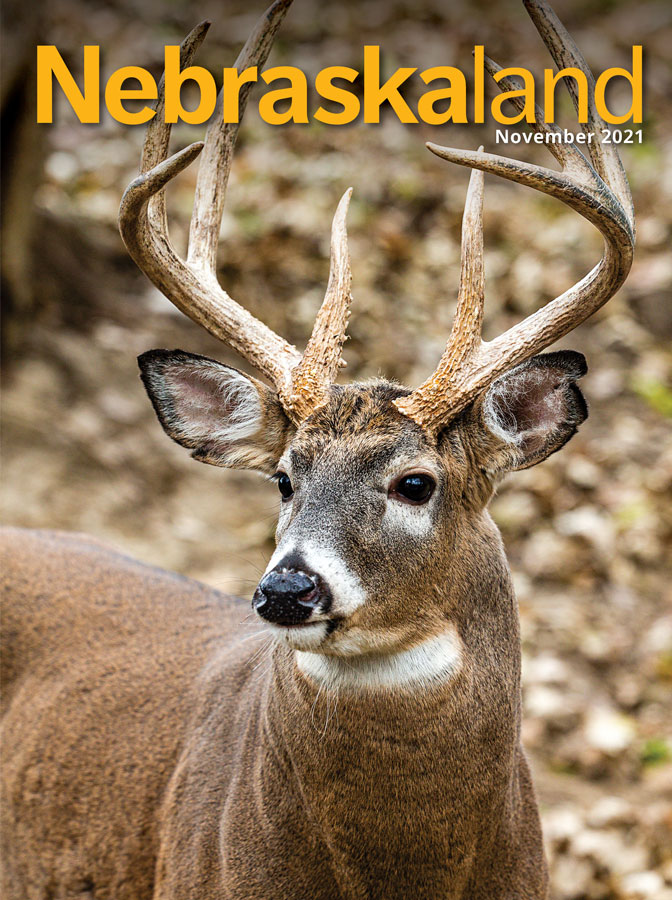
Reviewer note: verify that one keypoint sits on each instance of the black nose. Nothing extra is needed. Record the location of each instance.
(286, 597)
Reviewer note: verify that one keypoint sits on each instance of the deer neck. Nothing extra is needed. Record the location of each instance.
(467, 669)
(367, 763)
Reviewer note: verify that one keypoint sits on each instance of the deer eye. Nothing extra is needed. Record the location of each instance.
(285, 485)
(413, 488)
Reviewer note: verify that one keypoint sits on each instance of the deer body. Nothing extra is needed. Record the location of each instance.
(210, 775)
(154, 751)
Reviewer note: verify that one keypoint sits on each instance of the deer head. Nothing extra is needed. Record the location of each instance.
(383, 519)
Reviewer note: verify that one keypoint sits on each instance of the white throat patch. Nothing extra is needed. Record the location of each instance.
(434, 662)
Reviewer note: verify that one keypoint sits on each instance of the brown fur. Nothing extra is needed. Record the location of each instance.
(119, 747)
(149, 754)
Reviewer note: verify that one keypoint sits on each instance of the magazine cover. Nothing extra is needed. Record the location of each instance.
(389, 616)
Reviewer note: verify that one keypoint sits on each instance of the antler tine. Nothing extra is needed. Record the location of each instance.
(579, 186)
(465, 335)
(594, 201)
(566, 54)
(322, 357)
(220, 140)
(568, 155)
(466, 332)
(157, 136)
(142, 223)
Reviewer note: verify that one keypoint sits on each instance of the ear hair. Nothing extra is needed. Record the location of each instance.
(533, 410)
(225, 417)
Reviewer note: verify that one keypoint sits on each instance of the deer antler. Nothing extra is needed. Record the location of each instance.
(302, 383)
(596, 188)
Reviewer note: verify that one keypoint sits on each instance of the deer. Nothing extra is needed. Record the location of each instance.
(377, 752)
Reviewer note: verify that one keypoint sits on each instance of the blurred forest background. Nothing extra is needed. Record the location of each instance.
(587, 532)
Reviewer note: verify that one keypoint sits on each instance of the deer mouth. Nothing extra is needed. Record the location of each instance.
(306, 636)
(332, 624)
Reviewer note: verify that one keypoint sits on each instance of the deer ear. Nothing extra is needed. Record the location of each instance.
(224, 417)
(531, 412)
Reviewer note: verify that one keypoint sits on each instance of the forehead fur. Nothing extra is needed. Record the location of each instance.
(360, 416)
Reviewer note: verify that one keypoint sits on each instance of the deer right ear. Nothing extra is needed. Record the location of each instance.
(224, 417)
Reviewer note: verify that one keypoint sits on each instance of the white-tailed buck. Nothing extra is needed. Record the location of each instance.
(146, 754)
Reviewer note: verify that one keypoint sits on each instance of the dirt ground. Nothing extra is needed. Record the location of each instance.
(588, 532)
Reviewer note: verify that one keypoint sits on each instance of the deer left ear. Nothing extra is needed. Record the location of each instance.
(531, 412)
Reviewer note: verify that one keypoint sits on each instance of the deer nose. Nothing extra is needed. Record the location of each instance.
(286, 597)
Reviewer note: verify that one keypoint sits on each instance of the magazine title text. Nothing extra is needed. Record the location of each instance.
(449, 98)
